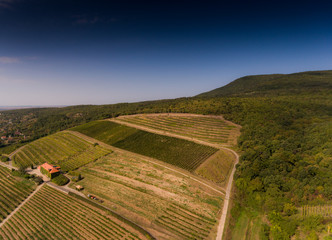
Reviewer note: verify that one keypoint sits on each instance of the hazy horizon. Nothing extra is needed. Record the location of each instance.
(105, 52)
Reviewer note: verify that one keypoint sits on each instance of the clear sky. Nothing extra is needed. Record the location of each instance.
(97, 52)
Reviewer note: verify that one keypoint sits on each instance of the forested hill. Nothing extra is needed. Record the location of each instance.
(285, 142)
(275, 84)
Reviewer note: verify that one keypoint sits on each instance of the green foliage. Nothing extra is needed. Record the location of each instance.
(45, 172)
(64, 149)
(38, 180)
(60, 180)
(14, 189)
(286, 134)
(179, 152)
(106, 131)
(4, 159)
(275, 84)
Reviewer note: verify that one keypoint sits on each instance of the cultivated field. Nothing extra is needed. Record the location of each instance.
(63, 149)
(182, 153)
(13, 191)
(211, 129)
(165, 202)
(50, 214)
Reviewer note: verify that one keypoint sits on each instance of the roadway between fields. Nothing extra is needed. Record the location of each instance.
(222, 220)
(22, 203)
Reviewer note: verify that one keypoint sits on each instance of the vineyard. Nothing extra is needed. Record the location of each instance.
(153, 193)
(182, 153)
(186, 224)
(321, 210)
(206, 128)
(51, 214)
(12, 192)
(64, 149)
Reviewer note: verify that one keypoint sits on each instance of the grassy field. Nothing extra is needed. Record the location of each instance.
(218, 167)
(51, 214)
(182, 153)
(63, 149)
(248, 228)
(13, 191)
(153, 196)
(206, 128)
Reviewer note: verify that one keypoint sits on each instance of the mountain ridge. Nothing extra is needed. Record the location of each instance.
(274, 84)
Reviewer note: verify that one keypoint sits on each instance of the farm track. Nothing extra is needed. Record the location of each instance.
(222, 220)
(19, 206)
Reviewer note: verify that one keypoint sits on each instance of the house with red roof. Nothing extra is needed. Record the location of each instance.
(49, 170)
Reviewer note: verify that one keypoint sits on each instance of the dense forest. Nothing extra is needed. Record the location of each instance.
(285, 145)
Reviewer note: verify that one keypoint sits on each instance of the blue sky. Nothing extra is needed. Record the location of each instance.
(99, 52)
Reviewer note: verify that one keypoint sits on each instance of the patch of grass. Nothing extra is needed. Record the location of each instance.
(217, 167)
(4, 159)
(249, 226)
(60, 180)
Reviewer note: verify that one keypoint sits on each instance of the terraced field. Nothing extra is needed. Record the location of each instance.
(186, 224)
(63, 149)
(182, 153)
(50, 214)
(153, 196)
(207, 128)
(13, 191)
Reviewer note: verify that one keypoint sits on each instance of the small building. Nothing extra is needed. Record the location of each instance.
(79, 187)
(49, 170)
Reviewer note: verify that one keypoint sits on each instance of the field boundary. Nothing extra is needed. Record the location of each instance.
(21, 204)
(152, 160)
(222, 220)
(160, 132)
(114, 214)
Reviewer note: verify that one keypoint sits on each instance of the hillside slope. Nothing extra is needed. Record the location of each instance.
(275, 84)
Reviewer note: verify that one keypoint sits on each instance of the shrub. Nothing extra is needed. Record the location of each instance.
(4, 158)
(17, 173)
(60, 180)
(38, 180)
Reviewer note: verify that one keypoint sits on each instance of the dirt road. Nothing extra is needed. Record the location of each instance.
(8, 166)
(222, 220)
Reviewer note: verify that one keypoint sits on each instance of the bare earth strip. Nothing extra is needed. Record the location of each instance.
(22, 203)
